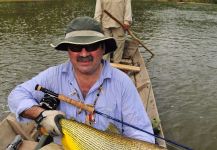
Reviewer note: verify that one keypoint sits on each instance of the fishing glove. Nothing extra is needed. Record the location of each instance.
(46, 120)
(49, 103)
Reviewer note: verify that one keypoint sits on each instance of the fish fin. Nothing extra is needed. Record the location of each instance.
(112, 129)
(156, 125)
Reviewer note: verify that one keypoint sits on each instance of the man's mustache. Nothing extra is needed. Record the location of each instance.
(84, 59)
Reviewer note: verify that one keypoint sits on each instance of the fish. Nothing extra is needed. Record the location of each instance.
(79, 136)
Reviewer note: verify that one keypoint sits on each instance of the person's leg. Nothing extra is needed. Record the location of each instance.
(119, 35)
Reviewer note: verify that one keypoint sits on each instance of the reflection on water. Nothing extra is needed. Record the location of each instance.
(183, 71)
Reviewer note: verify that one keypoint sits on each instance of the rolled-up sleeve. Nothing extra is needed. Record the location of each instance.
(128, 12)
(25, 96)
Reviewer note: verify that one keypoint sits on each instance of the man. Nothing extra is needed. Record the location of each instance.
(88, 78)
(120, 9)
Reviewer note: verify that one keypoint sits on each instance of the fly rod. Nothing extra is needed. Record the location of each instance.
(91, 110)
(129, 31)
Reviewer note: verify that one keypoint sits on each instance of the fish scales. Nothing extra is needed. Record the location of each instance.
(79, 136)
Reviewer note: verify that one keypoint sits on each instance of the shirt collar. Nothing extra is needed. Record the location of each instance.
(107, 70)
(67, 67)
(105, 75)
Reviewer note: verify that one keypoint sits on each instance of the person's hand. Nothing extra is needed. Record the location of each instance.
(46, 120)
(126, 26)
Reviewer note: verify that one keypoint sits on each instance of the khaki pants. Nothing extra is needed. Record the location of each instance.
(119, 35)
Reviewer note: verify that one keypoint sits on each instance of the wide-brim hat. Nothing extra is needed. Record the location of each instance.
(85, 31)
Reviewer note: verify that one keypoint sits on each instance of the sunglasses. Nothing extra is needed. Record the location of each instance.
(88, 48)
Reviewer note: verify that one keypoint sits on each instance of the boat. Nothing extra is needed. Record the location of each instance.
(133, 64)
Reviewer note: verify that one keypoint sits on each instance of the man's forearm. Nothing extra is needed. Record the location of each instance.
(32, 112)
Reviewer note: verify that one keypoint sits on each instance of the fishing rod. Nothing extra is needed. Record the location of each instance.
(129, 32)
(91, 110)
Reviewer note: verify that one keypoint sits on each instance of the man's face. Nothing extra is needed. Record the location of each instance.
(86, 59)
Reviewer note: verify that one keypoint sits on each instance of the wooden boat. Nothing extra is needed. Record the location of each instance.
(133, 64)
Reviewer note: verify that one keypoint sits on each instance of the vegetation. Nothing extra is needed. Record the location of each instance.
(196, 1)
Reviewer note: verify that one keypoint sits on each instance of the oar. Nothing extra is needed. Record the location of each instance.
(129, 32)
(91, 110)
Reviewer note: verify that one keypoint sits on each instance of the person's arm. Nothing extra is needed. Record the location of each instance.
(28, 109)
(24, 101)
(133, 112)
(127, 14)
(32, 113)
(98, 11)
(44, 118)
(24, 97)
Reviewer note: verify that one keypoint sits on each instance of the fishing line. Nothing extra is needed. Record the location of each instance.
(132, 126)
(174, 146)
(91, 110)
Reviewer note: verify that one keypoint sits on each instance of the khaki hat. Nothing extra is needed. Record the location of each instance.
(84, 31)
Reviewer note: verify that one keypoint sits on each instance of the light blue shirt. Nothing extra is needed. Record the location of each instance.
(118, 98)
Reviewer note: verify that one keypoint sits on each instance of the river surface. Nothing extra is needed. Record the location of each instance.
(183, 72)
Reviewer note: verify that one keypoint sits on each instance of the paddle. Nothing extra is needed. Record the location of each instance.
(129, 32)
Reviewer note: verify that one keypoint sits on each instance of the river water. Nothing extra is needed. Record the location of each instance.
(183, 72)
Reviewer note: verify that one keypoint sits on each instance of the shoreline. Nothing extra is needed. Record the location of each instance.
(21, 0)
(172, 1)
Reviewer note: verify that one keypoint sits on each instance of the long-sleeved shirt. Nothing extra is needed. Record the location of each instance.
(120, 9)
(118, 98)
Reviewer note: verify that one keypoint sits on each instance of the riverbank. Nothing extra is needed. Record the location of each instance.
(191, 1)
(178, 1)
(21, 0)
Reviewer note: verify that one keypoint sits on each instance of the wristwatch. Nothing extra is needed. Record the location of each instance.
(40, 117)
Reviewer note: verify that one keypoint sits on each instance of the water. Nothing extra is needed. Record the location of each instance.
(183, 72)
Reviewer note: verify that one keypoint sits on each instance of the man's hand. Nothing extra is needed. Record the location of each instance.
(46, 120)
(126, 26)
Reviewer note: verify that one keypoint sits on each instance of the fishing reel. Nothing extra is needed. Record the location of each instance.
(49, 102)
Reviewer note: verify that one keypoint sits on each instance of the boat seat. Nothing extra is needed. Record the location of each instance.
(126, 67)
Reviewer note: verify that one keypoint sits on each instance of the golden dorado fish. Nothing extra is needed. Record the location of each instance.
(78, 136)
